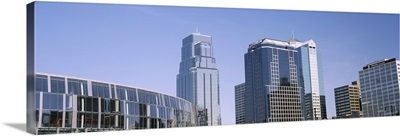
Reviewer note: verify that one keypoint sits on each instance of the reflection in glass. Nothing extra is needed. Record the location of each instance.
(45, 118)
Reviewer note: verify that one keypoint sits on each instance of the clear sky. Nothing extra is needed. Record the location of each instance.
(141, 45)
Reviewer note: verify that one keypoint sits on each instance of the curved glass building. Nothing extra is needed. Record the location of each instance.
(68, 105)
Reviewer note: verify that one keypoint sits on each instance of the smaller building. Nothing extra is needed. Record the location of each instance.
(348, 101)
(380, 89)
(239, 103)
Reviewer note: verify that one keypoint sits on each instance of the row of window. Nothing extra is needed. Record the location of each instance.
(80, 87)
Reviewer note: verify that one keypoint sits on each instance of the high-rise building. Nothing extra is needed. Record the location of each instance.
(272, 92)
(348, 101)
(239, 103)
(197, 80)
(380, 90)
(311, 79)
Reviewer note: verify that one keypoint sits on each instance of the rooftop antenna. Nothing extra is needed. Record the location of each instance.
(292, 35)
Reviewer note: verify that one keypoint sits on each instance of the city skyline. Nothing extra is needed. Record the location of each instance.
(103, 41)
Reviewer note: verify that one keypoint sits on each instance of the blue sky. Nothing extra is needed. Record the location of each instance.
(140, 45)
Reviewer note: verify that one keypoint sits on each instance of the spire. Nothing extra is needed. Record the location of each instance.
(292, 35)
(293, 39)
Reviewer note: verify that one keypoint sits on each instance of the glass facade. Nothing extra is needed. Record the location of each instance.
(198, 80)
(272, 91)
(311, 80)
(379, 86)
(66, 104)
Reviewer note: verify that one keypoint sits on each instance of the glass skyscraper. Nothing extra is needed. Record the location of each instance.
(311, 79)
(197, 80)
(379, 86)
(272, 91)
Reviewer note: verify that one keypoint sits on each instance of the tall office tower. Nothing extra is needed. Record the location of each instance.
(311, 79)
(272, 92)
(379, 85)
(239, 103)
(347, 101)
(197, 80)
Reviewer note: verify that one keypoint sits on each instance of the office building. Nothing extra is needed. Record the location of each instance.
(239, 103)
(69, 105)
(311, 79)
(272, 89)
(348, 101)
(379, 85)
(197, 81)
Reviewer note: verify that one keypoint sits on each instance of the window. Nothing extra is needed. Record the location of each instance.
(45, 118)
(68, 119)
(41, 83)
(37, 100)
(46, 101)
(78, 87)
(57, 84)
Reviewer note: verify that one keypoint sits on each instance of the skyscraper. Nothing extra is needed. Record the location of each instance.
(311, 79)
(272, 92)
(239, 103)
(198, 80)
(347, 100)
(379, 86)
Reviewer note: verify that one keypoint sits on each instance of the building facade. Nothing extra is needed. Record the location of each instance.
(311, 79)
(272, 89)
(198, 80)
(379, 85)
(69, 105)
(239, 103)
(348, 101)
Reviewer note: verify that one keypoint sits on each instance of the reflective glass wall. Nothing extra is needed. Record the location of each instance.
(69, 105)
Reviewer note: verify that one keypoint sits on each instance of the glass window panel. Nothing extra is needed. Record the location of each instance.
(37, 117)
(95, 90)
(46, 101)
(95, 119)
(100, 91)
(88, 120)
(44, 85)
(68, 102)
(112, 120)
(89, 104)
(107, 121)
(60, 102)
(37, 100)
(54, 86)
(95, 104)
(106, 92)
(121, 121)
(45, 118)
(68, 119)
(53, 101)
(54, 120)
(39, 86)
(121, 107)
(61, 85)
(112, 92)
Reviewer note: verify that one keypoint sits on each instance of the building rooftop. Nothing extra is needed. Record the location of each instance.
(378, 62)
